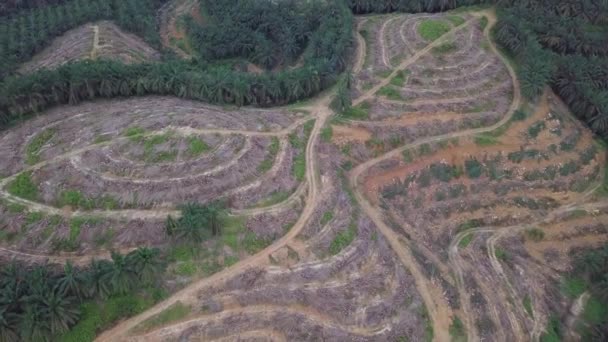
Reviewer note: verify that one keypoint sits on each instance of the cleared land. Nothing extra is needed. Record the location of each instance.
(439, 205)
(92, 41)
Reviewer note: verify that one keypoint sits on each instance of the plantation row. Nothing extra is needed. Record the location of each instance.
(11, 6)
(28, 32)
(265, 33)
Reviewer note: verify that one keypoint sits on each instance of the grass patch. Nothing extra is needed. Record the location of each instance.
(253, 244)
(553, 332)
(197, 146)
(326, 133)
(573, 286)
(15, 208)
(457, 330)
(32, 151)
(77, 199)
(465, 241)
(360, 112)
(23, 187)
(134, 132)
(501, 254)
(400, 78)
(97, 316)
(527, 303)
(173, 313)
(483, 22)
(485, 140)
(390, 93)
(234, 226)
(343, 239)
(33, 217)
(327, 216)
(432, 29)
(299, 161)
(273, 150)
(595, 311)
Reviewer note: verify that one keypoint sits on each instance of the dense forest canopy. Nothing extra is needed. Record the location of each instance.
(11, 6)
(265, 32)
(567, 49)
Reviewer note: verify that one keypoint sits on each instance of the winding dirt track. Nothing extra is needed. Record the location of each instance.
(437, 307)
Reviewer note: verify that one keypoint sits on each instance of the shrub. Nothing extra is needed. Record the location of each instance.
(443, 172)
(473, 168)
(535, 234)
(23, 187)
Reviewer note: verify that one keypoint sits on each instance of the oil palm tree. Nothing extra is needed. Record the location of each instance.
(146, 263)
(72, 281)
(119, 275)
(8, 325)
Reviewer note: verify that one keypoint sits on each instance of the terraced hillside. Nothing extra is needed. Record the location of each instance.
(92, 41)
(440, 206)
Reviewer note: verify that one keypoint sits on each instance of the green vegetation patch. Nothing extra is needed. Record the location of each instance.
(457, 330)
(196, 146)
(327, 216)
(77, 199)
(343, 239)
(432, 29)
(273, 150)
(360, 112)
(553, 331)
(299, 161)
(134, 132)
(535, 234)
(23, 186)
(173, 313)
(390, 93)
(573, 286)
(486, 140)
(326, 133)
(483, 22)
(527, 303)
(32, 151)
(465, 241)
(400, 78)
